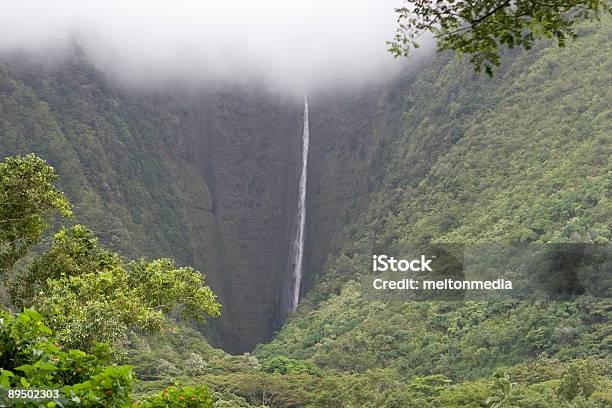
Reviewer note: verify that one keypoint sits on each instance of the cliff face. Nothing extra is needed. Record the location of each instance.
(208, 178)
(245, 148)
(348, 134)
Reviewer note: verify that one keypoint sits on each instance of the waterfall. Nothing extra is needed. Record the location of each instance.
(296, 251)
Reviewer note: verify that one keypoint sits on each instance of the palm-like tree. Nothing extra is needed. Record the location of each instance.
(502, 395)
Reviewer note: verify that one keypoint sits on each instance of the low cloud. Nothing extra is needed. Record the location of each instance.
(292, 45)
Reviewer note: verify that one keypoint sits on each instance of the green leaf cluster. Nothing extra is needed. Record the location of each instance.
(28, 201)
(30, 357)
(188, 397)
(89, 294)
(482, 28)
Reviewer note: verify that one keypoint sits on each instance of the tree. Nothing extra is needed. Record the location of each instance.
(30, 358)
(28, 200)
(479, 28)
(581, 379)
(89, 294)
(283, 365)
(429, 386)
(196, 397)
(502, 394)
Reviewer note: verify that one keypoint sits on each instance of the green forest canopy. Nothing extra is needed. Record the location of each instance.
(89, 297)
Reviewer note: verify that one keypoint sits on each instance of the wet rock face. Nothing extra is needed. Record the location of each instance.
(248, 158)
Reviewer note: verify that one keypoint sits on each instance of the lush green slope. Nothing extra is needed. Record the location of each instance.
(109, 148)
(524, 157)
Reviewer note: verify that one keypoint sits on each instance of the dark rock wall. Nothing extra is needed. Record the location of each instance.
(246, 152)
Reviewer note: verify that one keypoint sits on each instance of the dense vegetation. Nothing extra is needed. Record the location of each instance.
(522, 158)
(88, 296)
(525, 157)
(73, 119)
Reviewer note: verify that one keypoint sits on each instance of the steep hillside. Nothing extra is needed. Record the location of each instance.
(524, 157)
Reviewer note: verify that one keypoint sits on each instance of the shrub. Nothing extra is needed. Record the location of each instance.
(196, 397)
(30, 358)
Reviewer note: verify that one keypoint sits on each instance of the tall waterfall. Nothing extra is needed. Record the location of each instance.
(296, 252)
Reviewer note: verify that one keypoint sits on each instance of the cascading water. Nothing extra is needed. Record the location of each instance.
(291, 291)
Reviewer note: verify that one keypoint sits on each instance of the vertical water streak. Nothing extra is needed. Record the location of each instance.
(296, 252)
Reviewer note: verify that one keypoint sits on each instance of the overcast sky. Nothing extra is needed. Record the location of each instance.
(295, 44)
